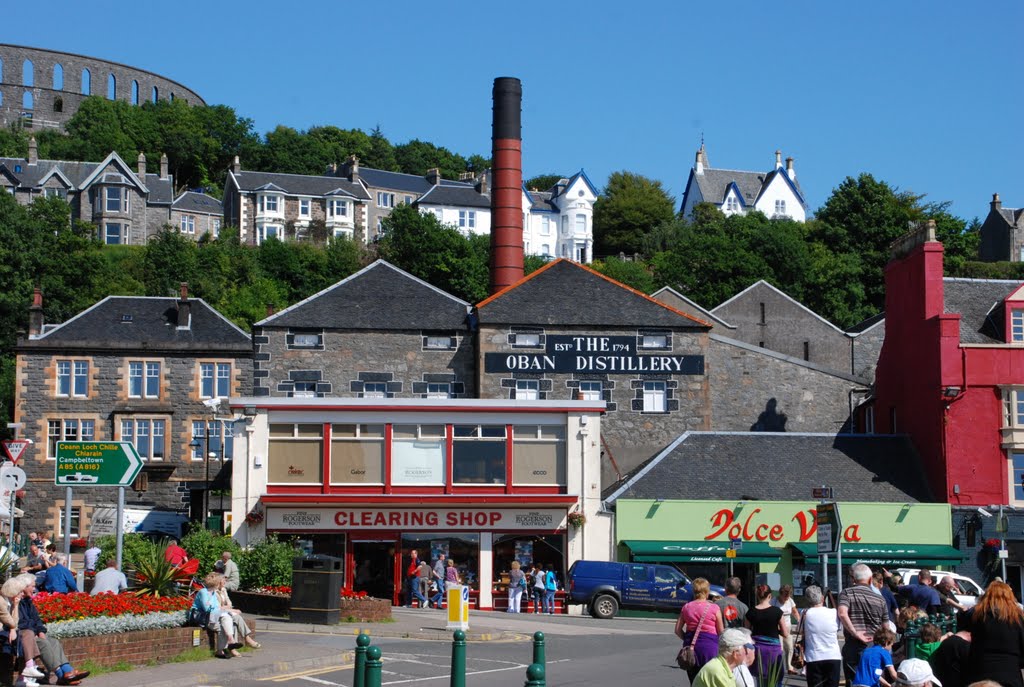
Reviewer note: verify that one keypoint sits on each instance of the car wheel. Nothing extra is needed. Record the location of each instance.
(604, 607)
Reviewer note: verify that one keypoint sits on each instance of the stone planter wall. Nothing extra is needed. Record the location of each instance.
(137, 648)
(260, 604)
(368, 610)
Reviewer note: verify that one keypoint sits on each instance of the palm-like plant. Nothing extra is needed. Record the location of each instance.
(157, 577)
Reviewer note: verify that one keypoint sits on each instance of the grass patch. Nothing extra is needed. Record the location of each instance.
(95, 669)
(196, 653)
(352, 619)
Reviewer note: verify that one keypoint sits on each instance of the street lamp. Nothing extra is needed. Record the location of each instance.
(212, 404)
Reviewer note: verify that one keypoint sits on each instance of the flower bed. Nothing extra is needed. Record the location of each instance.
(261, 603)
(79, 606)
(355, 606)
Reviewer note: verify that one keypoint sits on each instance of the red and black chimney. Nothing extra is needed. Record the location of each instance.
(507, 183)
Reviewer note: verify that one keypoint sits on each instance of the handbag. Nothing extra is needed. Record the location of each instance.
(798, 661)
(197, 617)
(687, 656)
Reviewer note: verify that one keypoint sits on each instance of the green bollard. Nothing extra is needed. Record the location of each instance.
(535, 676)
(538, 648)
(362, 642)
(373, 667)
(458, 659)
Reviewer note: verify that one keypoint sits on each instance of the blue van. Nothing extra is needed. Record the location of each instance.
(605, 587)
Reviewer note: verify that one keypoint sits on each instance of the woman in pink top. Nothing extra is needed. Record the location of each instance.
(708, 615)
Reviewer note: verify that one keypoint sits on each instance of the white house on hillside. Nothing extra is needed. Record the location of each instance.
(775, 193)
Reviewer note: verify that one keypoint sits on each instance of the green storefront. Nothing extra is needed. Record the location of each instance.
(751, 538)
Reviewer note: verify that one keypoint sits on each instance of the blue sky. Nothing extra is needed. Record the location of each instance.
(924, 95)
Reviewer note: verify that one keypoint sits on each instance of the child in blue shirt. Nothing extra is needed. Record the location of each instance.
(876, 669)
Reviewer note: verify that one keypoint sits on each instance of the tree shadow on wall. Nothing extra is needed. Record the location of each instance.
(770, 419)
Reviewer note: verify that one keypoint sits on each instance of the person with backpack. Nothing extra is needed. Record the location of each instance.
(550, 585)
(538, 587)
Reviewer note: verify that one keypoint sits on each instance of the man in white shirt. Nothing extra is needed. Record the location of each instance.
(110, 579)
(92, 555)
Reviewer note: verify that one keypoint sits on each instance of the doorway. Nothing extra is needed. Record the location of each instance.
(374, 568)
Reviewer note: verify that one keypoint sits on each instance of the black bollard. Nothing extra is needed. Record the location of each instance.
(362, 642)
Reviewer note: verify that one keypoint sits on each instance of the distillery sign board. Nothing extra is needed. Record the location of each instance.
(408, 519)
(602, 354)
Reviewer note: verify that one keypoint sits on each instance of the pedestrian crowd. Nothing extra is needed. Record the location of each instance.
(888, 637)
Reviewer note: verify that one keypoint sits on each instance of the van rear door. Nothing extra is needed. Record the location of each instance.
(669, 588)
(637, 585)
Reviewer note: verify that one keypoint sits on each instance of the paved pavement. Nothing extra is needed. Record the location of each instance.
(292, 647)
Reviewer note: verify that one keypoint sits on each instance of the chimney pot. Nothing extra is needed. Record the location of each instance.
(163, 166)
(270, 310)
(789, 169)
(698, 163)
(184, 308)
(778, 159)
(142, 167)
(996, 203)
(33, 151)
(350, 168)
(236, 165)
(184, 290)
(434, 176)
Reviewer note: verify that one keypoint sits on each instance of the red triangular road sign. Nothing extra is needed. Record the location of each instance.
(15, 447)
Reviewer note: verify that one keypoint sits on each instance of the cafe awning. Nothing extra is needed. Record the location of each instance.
(910, 555)
(699, 552)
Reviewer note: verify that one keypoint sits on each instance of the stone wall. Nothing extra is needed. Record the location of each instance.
(348, 359)
(867, 346)
(754, 389)
(53, 107)
(170, 480)
(787, 327)
(630, 435)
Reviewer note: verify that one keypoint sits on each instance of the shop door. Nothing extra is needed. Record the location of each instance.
(374, 563)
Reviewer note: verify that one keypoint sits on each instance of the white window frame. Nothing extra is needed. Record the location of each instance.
(132, 428)
(581, 224)
(375, 390)
(61, 193)
(438, 342)
(527, 390)
(119, 196)
(224, 450)
(592, 390)
(76, 521)
(262, 230)
(307, 390)
(72, 378)
(337, 207)
(304, 208)
(67, 429)
(214, 380)
(545, 226)
(780, 207)
(732, 204)
(1017, 324)
(122, 233)
(654, 341)
(385, 199)
(439, 390)
(144, 378)
(655, 396)
(269, 203)
(188, 224)
(526, 340)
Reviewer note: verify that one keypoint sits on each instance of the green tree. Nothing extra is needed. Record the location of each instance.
(631, 273)
(416, 157)
(381, 154)
(631, 207)
(171, 258)
(438, 254)
(292, 152)
(542, 182)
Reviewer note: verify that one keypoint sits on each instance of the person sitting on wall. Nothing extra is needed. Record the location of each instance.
(92, 556)
(50, 651)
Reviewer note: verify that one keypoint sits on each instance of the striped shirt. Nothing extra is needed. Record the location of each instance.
(867, 610)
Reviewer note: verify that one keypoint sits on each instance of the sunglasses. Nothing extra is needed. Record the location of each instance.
(749, 646)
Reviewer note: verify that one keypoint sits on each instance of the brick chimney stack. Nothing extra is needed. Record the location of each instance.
(236, 165)
(163, 166)
(33, 151)
(996, 204)
(507, 184)
(184, 308)
(698, 164)
(142, 167)
(790, 172)
(350, 169)
(434, 176)
(35, 314)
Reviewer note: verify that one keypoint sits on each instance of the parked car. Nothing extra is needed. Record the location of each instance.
(605, 587)
(967, 593)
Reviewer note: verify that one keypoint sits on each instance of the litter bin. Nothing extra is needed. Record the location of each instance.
(316, 590)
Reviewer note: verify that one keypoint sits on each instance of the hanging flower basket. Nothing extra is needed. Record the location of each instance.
(255, 517)
(577, 519)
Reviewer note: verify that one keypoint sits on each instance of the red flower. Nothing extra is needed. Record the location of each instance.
(76, 606)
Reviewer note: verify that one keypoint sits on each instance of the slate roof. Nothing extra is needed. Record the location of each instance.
(190, 201)
(457, 196)
(398, 181)
(1011, 215)
(567, 293)
(378, 297)
(541, 201)
(137, 322)
(982, 321)
(867, 324)
(161, 191)
(713, 184)
(667, 294)
(780, 467)
(298, 184)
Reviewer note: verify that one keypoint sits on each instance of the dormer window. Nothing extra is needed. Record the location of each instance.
(116, 198)
(780, 207)
(731, 204)
(1017, 325)
(268, 203)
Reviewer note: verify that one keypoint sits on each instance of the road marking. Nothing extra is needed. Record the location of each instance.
(447, 676)
(304, 673)
(321, 682)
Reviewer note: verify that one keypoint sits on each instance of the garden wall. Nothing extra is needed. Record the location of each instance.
(136, 648)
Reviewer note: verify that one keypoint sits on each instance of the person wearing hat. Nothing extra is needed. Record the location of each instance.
(915, 672)
(735, 647)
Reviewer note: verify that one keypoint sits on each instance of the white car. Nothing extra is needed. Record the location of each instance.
(967, 590)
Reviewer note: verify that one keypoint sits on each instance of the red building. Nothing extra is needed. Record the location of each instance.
(951, 375)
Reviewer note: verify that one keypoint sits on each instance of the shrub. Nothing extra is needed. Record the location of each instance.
(157, 577)
(135, 547)
(207, 546)
(267, 563)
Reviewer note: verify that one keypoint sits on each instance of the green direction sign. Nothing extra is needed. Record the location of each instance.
(96, 463)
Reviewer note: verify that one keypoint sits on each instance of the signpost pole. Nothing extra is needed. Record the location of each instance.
(120, 524)
(824, 572)
(67, 522)
(839, 567)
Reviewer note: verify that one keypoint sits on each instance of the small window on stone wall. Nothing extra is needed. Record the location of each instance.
(86, 82)
(58, 104)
